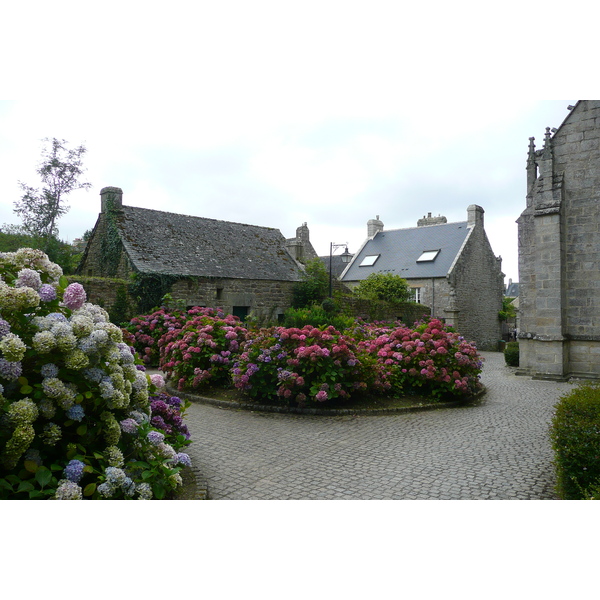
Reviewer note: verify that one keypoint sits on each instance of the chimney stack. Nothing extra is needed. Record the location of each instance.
(111, 198)
(374, 226)
(429, 220)
(475, 215)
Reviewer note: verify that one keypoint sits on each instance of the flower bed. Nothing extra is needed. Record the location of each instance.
(429, 358)
(75, 416)
(304, 365)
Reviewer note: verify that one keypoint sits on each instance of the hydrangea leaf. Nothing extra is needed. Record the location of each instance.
(31, 466)
(89, 489)
(82, 430)
(26, 389)
(63, 282)
(25, 486)
(43, 476)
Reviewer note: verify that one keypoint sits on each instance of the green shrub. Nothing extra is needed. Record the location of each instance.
(511, 354)
(575, 435)
(383, 286)
(120, 311)
(316, 316)
(314, 285)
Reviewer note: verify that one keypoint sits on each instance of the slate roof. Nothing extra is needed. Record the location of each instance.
(169, 243)
(399, 249)
(337, 264)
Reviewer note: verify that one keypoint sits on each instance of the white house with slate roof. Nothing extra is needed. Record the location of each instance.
(450, 267)
(244, 269)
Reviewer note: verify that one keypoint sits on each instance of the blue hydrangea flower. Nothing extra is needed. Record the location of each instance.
(74, 471)
(76, 412)
(115, 476)
(106, 489)
(181, 458)
(49, 370)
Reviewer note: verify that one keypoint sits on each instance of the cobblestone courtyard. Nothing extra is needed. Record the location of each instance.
(495, 449)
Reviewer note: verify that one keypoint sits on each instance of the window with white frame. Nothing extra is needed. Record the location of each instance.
(369, 261)
(428, 256)
(416, 295)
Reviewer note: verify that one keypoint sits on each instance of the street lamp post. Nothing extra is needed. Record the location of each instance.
(346, 258)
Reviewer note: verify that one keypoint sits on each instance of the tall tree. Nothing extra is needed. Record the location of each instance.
(59, 170)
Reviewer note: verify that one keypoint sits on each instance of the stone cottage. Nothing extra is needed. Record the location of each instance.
(244, 269)
(559, 250)
(449, 266)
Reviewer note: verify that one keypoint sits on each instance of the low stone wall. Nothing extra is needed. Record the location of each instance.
(407, 312)
(103, 290)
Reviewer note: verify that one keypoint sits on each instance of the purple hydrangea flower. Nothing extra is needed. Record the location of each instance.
(74, 471)
(129, 426)
(47, 293)
(28, 278)
(155, 438)
(74, 296)
(4, 328)
(10, 370)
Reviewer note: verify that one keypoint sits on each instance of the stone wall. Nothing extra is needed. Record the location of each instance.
(265, 300)
(103, 291)
(559, 251)
(407, 312)
(478, 284)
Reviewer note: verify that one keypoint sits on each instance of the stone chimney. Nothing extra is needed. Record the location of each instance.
(374, 226)
(475, 215)
(303, 234)
(429, 220)
(111, 198)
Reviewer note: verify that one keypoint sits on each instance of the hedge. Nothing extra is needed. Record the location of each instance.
(575, 435)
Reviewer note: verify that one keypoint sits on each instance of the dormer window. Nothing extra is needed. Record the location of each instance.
(428, 256)
(369, 261)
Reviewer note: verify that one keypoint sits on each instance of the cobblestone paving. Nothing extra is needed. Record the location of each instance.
(496, 449)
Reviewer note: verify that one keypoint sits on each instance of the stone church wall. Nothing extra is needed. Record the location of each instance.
(559, 251)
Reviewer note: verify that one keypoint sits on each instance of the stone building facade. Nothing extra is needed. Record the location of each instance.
(559, 250)
(450, 266)
(243, 269)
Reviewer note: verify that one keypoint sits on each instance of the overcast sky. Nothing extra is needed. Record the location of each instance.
(275, 114)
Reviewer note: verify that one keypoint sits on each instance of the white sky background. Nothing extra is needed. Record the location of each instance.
(275, 113)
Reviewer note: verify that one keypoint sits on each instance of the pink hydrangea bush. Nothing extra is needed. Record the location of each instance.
(148, 329)
(307, 365)
(430, 359)
(202, 352)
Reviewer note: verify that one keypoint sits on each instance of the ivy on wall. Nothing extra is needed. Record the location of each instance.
(148, 289)
(111, 245)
